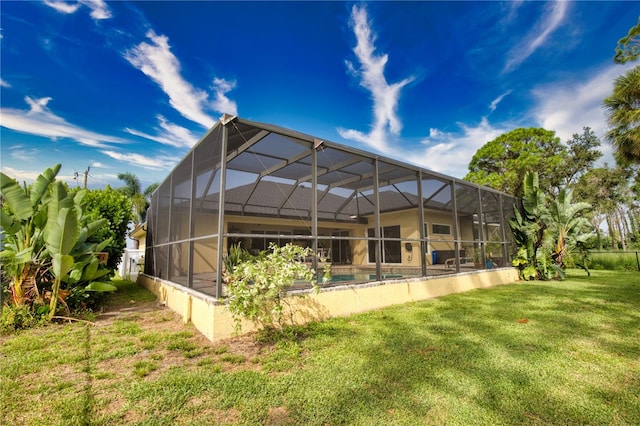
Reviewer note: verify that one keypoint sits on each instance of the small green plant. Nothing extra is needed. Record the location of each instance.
(181, 345)
(18, 317)
(233, 358)
(126, 327)
(220, 349)
(144, 368)
(257, 288)
(235, 255)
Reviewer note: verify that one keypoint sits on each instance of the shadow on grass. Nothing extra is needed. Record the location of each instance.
(128, 293)
(529, 353)
(88, 398)
(553, 353)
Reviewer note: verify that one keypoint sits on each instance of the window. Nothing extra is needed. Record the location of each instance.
(441, 229)
(426, 235)
(391, 250)
(261, 244)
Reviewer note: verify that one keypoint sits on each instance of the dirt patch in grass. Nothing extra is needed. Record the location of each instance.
(157, 322)
(141, 341)
(277, 416)
(150, 316)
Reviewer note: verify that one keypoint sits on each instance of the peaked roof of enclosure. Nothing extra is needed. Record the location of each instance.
(270, 171)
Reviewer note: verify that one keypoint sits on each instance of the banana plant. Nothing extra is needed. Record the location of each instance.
(73, 260)
(44, 243)
(547, 232)
(23, 220)
(568, 227)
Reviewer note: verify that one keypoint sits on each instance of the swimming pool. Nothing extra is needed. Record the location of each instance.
(337, 278)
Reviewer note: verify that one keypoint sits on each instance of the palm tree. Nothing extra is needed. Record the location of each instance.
(623, 110)
(132, 189)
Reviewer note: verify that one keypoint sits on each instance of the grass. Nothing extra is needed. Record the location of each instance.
(614, 260)
(531, 353)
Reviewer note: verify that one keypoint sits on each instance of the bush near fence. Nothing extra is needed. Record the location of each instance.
(614, 260)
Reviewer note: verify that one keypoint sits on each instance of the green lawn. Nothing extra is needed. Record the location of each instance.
(553, 353)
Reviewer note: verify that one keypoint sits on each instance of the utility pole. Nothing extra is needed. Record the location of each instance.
(76, 175)
(86, 173)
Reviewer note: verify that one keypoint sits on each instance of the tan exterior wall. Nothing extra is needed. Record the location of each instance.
(408, 220)
(215, 322)
(140, 234)
(205, 253)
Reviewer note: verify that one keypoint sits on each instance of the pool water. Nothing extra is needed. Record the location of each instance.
(360, 277)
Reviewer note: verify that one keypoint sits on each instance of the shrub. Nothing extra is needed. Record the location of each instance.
(116, 207)
(257, 288)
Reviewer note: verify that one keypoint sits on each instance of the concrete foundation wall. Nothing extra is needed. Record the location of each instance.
(213, 319)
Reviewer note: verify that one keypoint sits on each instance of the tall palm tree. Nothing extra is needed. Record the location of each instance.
(623, 110)
(132, 189)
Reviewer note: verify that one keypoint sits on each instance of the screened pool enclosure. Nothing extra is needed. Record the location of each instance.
(366, 217)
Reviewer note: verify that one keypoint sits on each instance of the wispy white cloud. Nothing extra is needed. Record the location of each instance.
(4, 84)
(513, 7)
(40, 121)
(156, 61)
(221, 102)
(385, 96)
(161, 162)
(23, 153)
(563, 106)
(63, 6)
(450, 153)
(99, 165)
(168, 134)
(99, 9)
(554, 14)
(496, 101)
(568, 105)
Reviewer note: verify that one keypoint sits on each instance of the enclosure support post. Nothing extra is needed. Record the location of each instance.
(423, 243)
(223, 175)
(378, 231)
(456, 236)
(481, 228)
(314, 205)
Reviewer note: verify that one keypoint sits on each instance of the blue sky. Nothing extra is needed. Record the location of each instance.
(131, 86)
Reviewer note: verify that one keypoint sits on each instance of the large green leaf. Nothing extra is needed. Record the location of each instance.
(16, 197)
(90, 270)
(22, 256)
(59, 200)
(40, 217)
(103, 245)
(8, 223)
(77, 199)
(40, 187)
(61, 235)
(75, 275)
(95, 226)
(61, 264)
